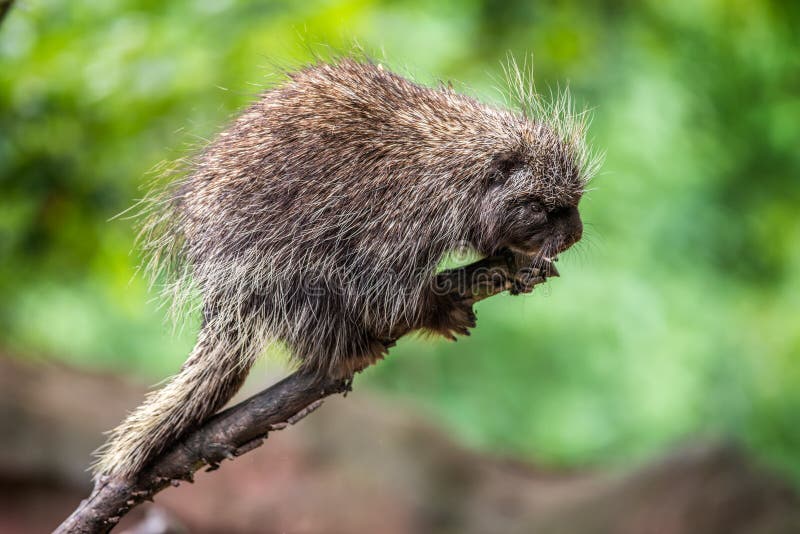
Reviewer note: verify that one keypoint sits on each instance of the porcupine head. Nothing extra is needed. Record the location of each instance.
(318, 217)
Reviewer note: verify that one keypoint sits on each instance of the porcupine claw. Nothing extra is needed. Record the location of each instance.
(533, 271)
(548, 269)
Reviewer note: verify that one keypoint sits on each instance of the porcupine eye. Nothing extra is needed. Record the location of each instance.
(530, 213)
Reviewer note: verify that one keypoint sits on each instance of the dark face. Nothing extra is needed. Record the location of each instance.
(530, 228)
(531, 207)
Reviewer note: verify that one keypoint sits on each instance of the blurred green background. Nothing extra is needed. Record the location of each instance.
(677, 316)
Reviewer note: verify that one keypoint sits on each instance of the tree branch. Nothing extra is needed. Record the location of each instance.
(244, 426)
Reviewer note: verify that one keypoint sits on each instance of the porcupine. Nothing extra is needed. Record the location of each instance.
(319, 216)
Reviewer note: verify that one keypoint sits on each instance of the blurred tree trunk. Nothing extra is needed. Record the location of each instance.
(5, 7)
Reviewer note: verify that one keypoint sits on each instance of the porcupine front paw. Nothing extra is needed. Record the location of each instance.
(528, 271)
(452, 314)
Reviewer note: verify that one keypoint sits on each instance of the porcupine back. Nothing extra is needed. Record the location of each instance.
(331, 200)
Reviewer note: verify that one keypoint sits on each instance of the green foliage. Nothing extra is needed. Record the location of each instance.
(678, 314)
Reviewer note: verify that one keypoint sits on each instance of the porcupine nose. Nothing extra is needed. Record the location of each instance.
(571, 226)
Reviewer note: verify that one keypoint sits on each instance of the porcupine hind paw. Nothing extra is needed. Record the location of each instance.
(452, 314)
(370, 351)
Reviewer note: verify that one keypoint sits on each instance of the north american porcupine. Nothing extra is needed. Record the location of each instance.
(319, 216)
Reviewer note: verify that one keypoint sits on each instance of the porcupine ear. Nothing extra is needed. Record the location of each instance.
(501, 168)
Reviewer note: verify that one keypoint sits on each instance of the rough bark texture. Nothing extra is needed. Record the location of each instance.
(243, 427)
